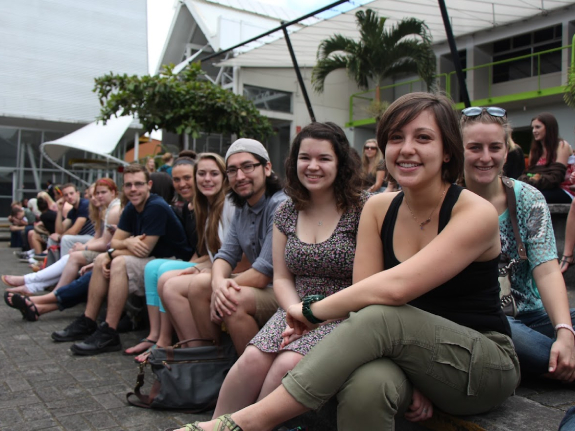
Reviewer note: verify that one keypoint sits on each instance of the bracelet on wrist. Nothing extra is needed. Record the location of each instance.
(566, 326)
(306, 308)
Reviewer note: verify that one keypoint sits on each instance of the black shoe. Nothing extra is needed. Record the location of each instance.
(79, 329)
(105, 339)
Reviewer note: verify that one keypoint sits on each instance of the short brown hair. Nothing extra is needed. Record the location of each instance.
(134, 168)
(65, 186)
(347, 184)
(405, 109)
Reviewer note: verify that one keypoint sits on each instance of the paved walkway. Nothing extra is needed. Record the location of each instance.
(45, 387)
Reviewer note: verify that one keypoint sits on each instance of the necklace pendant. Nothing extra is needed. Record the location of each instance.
(319, 223)
(424, 223)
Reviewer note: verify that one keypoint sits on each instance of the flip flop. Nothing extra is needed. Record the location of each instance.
(147, 353)
(26, 307)
(5, 281)
(139, 352)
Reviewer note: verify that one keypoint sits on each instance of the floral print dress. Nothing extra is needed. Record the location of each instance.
(323, 268)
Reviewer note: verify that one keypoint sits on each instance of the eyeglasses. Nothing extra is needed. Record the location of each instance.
(137, 184)
(370, 148)
(246, 169)
(475, 111)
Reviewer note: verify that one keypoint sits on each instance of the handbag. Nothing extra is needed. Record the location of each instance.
(508, 303)
(185, 378)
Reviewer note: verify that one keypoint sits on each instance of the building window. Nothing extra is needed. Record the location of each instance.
(271, 100)
(527, 44)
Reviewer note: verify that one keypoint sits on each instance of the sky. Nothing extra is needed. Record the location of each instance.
(161, 12)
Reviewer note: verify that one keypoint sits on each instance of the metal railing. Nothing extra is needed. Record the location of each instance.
(361, 102)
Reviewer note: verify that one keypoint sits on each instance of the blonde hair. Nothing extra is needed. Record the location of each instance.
(208, 215)
(365, 160)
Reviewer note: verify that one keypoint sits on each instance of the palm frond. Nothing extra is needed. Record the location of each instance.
(324, 67)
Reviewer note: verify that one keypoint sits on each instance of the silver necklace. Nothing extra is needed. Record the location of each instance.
(423, 223)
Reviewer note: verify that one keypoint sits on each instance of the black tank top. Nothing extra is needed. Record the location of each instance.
(471, 298)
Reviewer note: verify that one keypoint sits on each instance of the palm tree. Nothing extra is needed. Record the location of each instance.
(380, 53)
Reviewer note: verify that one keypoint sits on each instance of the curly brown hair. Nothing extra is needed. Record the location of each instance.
(347, 184)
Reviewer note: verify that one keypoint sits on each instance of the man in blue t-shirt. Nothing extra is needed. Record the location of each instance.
(148, 228)
(77, 226)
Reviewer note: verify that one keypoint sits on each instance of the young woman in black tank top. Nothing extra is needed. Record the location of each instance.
(451, 347)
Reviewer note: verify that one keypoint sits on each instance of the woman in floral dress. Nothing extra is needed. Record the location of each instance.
(313, 252)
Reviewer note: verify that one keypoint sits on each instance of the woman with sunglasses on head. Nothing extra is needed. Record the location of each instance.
(425, 323)
(203, 184)
(544, 341)
(372, 166)
(548, 159)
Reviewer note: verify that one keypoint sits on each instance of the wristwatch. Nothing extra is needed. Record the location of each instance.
(306, 310)
(110, 251)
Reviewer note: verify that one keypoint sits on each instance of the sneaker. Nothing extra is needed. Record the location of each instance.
(105, 339)
(79, 329)
(29, 260)
(24, 254)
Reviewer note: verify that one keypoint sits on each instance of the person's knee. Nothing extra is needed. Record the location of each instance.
(253, 361)
(284, 362)
(378, 386)
(118, 267)
(200, 286)
(246, 305)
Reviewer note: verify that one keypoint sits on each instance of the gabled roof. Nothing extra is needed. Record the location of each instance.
(466, 16)
(219, 24)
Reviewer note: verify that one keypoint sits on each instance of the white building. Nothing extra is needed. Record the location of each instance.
(51, 52)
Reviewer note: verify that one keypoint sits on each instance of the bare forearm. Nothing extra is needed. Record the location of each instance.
(285, 293)
(253, 278)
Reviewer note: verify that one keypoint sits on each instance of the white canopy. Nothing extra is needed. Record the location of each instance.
(466, 16)
(96, 138)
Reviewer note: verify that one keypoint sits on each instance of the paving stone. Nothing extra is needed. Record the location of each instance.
(101, 420)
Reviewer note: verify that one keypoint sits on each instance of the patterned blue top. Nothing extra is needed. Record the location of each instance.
(536, 231)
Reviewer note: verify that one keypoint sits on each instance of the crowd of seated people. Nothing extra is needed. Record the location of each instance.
(320, 267)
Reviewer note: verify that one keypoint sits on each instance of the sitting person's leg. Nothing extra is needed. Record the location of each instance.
(126, 277)
(485, 373)
(36, 242)
(37, 281)
(68, 241)
(533, 336)
(244, 381)
(372, 396)
(255, 307)
(76, 260)
(175, 295)
(284, 362)
(154, 271)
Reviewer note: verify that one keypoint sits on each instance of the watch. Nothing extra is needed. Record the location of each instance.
(110, 251)
(306, 310)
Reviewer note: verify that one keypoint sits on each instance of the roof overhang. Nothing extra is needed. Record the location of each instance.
(466, 16)
(95, 138)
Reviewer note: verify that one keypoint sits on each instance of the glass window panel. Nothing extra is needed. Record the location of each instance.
(269, 99)
(501, 45)
(543, 35)
(522, 40)
(9, 145)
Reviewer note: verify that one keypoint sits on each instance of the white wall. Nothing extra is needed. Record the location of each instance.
(52, 50)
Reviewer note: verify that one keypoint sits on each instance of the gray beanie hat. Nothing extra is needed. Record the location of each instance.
(245, 145)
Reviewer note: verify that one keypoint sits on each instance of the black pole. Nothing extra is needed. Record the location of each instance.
(298, 74)
(281, 27)
(454, 54)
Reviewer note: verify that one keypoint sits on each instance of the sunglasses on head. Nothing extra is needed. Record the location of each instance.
(475, 111)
